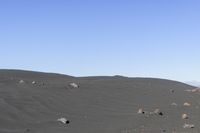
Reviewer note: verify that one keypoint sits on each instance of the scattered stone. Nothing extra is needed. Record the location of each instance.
(186, 104)
(21, 81)
(63, 120)
(140, 111)
(174, 104)
(33, 82)
(74, 85)
(188, 125)
(158, 112)
(185, 116)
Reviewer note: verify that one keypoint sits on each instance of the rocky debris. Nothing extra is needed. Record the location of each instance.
(63, 120)
(33, 82)
(140, 111)
(185, 116)
(158, 112)
(186, 104)
(21, 81)
(174, 104)
(74, 85)
(188, 125)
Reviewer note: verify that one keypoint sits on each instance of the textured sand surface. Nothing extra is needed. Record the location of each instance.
(97, 105)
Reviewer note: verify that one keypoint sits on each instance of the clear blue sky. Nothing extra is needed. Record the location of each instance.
(137, 38)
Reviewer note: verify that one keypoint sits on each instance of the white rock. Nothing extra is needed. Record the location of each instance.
(188, 125)
(140, 111)
(63, 120)
(21, 81)
(185, 116)
(186, 104)
(74, 85)
(174, 104)
(156, 111)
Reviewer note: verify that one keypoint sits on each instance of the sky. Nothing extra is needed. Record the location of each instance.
(135, 38)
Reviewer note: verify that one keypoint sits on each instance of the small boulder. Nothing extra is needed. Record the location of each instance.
(140, 111)
(174, 104)
(188, 125)
(158, 112)
(21, 81)
(63, 120)
(74, 85)
(185, 116)
(186, 104)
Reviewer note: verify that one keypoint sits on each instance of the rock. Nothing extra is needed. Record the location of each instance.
(186, 104)
(21, 81)
(174, 104)
(33, 82)
(188, 125)
(63, 120)
(185, 116)
(158, 112)
(74, 85)
(140, 111)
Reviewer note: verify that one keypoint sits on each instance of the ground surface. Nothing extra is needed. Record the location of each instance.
(98, 105)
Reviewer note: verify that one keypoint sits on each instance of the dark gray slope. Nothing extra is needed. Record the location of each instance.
(99, 105)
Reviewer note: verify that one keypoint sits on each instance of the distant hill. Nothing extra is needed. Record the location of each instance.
(33, 102)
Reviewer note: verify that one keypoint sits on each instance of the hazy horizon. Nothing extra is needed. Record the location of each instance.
(103, 37)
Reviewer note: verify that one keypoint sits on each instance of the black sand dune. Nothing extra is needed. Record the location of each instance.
(32, 102)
